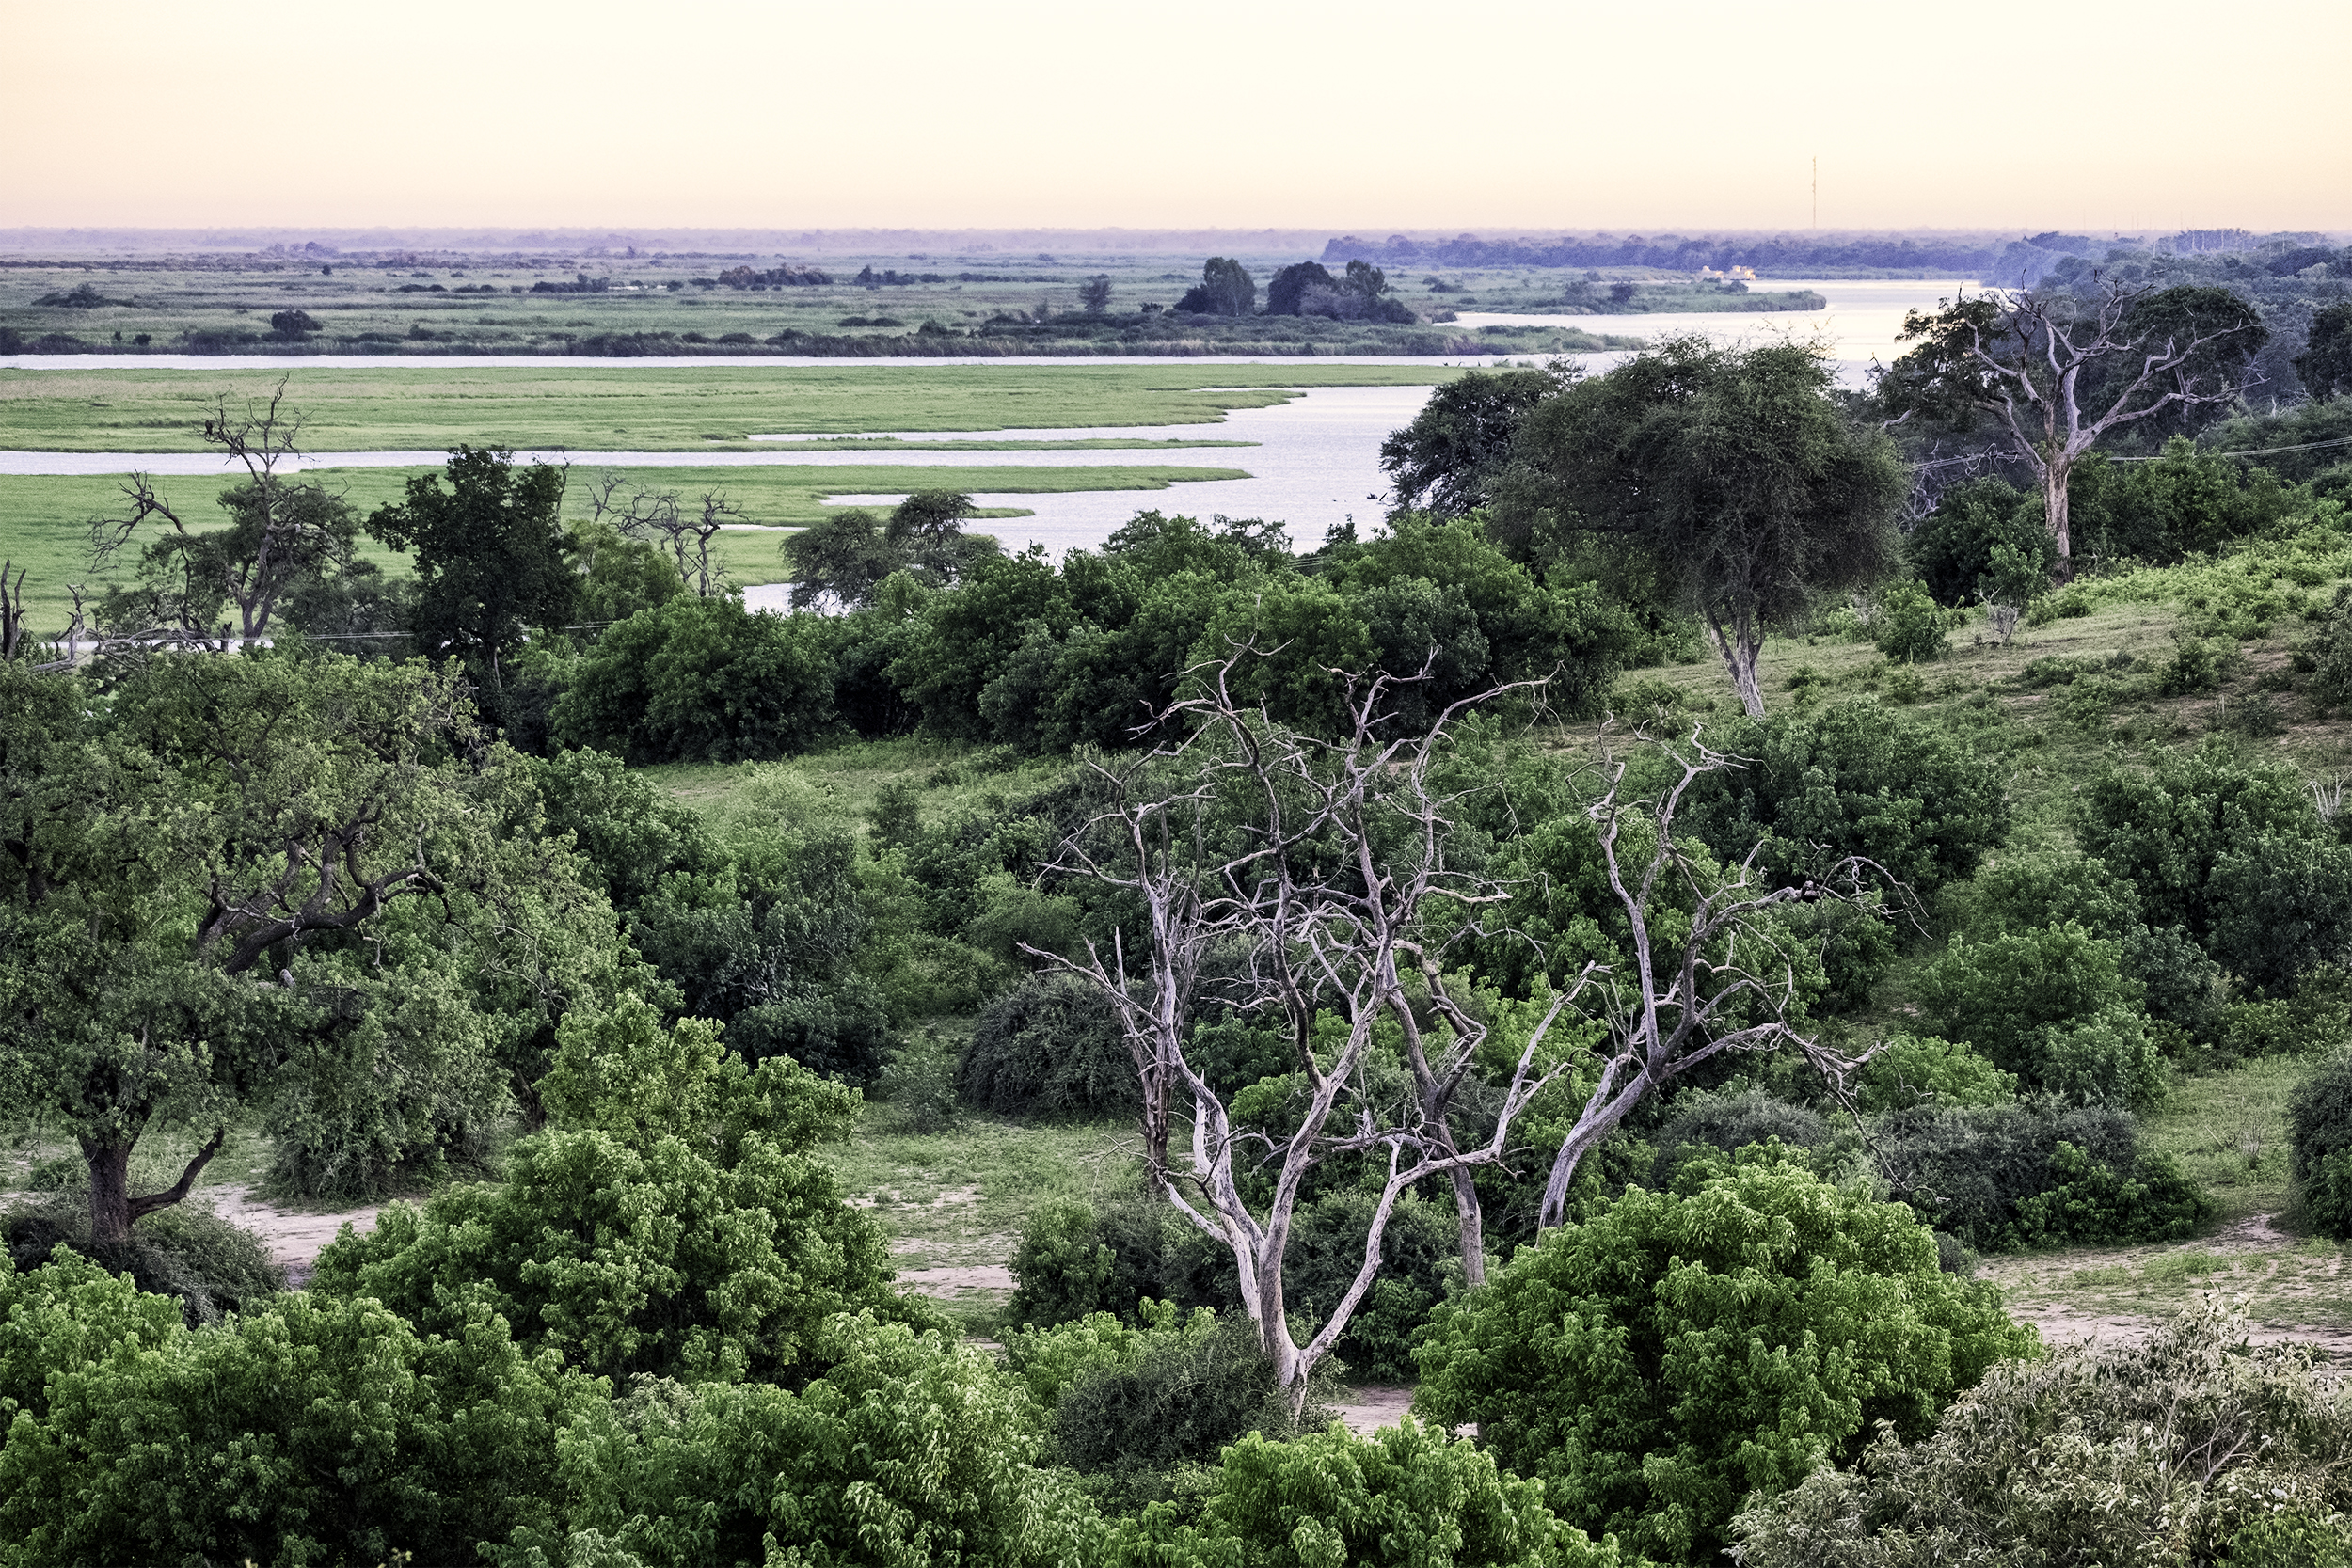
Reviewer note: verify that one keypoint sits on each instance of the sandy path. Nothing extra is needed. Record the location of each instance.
(292, 1236)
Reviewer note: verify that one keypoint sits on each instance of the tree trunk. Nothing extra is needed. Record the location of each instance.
(109, 1193)
(1156, 1132)
(1739, 644)
(2055, 472)
(112, 1209)
(1472, 1218)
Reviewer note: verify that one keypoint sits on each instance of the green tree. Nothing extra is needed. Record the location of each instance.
(1448, 459)
(840, 558)
(1226, 289)
(297, 885)
(2326, 365)
(491, 563)
(1732, 472)
(1094, 294)
(1677, 1351)
(674, 1221)
(701, 680)
(2166, 826)
(2051, 1005)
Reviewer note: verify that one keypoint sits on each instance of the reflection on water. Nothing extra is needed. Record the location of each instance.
(1860, 324)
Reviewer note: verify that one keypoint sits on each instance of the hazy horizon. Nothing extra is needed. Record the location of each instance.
(1041, 114)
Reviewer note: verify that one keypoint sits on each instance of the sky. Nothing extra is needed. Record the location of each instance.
(1481, 115)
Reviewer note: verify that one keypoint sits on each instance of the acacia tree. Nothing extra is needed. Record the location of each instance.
(280, 535)
(1326, 866)
(2060, 374)
(1731, 473)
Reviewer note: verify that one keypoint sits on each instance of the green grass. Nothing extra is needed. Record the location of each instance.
(434, 407)
(45, 520)
(2228, 1131)
(958, 1197)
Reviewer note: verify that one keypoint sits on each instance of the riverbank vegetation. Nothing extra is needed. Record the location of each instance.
(1686, 947)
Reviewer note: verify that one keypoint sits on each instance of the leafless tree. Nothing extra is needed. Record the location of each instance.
(280, 532)
(1725, 985)
(686, 529)
(2060, 374)
(11, 610)
(1325, 866)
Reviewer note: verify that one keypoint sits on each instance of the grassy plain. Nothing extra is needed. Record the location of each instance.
(644, 408)
(453, 303)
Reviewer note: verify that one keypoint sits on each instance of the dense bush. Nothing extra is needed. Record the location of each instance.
(2005, 1177)
(1906, 1072)
(310, 1430)
(2320, 1126)
(701, 680)
(1140, 1399)
(911, 1451)
(2195, 1446)
(674, 1223)
(1674, 1353)
(1405, 1497)
(1052, 1046)
(2051, 1006)
(186, 1252)
(2165, 825)
(1726, 1123)
(1909, 627)
(1853, 779)
(1953, 546)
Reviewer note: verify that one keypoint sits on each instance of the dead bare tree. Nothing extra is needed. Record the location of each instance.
(2059, 374)
(11, 610)
(685, 529)
(279, 532)
(1725, 986)
(1324, 865)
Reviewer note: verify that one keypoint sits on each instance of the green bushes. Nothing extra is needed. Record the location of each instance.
(2003, 1178)
(2192, 1448)
(1405, 1497)
(1853, 779)
(2320, 1125)
(1674, 1353)
(2051, 1006)
(674, 1223)
(701, 680)
(1051, 1046)
(186, 1252)
(911, 1451)
(312, 1429)
(1909, 627)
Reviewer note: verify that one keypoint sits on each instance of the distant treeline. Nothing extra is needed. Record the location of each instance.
(2020, 262)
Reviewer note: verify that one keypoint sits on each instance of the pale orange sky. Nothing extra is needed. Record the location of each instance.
(1488, 114)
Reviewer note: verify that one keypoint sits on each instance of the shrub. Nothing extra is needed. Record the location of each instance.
(2192, 1447)
(673, 1223)
(1853, 779)
(1907, 1071)
(2320, 1127)
(1141, 1400)
(313, 1430)
(1953, 547)
(2002, 1177)
(2280, 907)
(701, 680)
(1909, 626)
(911, 1451)
(1052, 1046)
(920, 1083)
(2050, 1004)
(1405, 1497)
(1722, 1124)
(186, 1252)
(2165, 827)
(1674, 1353)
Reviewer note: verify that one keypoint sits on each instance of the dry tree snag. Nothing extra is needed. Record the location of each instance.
(2034, 360)
(281, 531)
(1724, 986)
(685, 530)
(1324, 864)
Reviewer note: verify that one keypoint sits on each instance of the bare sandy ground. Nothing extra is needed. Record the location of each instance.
(293, 1236)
